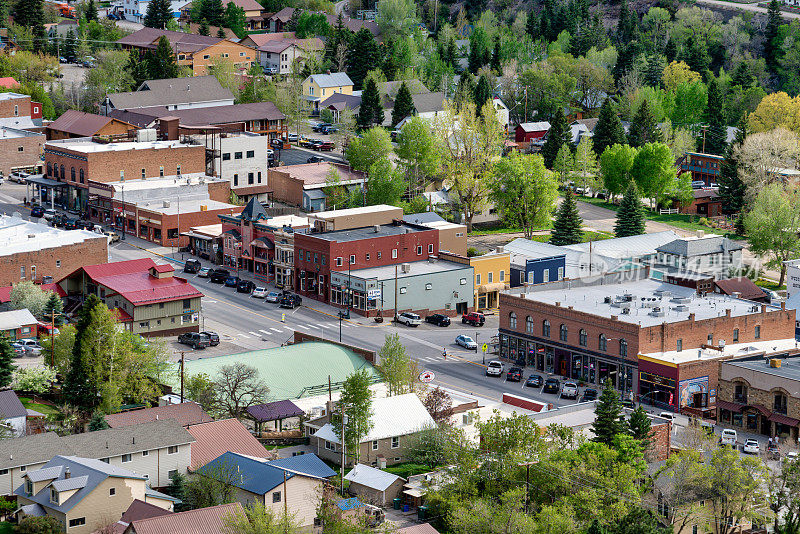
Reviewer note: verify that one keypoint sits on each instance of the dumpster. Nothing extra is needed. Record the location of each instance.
(422, 513)
(397, 503)
(405, 508)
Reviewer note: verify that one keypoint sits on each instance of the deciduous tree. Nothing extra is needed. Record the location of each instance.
(524, 191)
(653, 170)
(396, 366)
(773, 226)
(28, 295)
(419, 153)
(356, 403)
(237, 387)
(764, 155)
(374, 146)
(615, 167)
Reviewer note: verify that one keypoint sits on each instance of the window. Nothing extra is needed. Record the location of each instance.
(112, 491)
(758, 332)
(251, 154)
(623, 348)
(338, 262)
(419, 250)
(22, 271)
(502, 276)
(226, 156)
(560, 273)
(237, 155)
(53, 495)
(276, 496)
(563, 332)
(679, 345)
(121, 174)
(235, 180)
(395, 442)
(546, 328)
(16, 111)
(375, 445)
(172, 449)
(779, 403)
(582, 337)
(430, 248)
(28, 486)
(172, 473)
(490, 277)
(144, 174)
(126, 458)
(379, 255)
(105, 460)
(187, 303)
(529, 325)
(23, 468)
(366, 256)
(145, 453)
(740, 393)
(512, 320)
(250, 179)
(403, 291)
(477, 279)
(81, 176)
(206, 56)
(172, 233)
(463, 281)
(546, 275)
(735, 335)
(259, 176)
(3, 471)
(352, 259)
(178, 169)
(710, 339)
(78, 521)
(394, 253)
(72, 173)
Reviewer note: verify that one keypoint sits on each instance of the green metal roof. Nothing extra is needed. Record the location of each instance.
(290, 372)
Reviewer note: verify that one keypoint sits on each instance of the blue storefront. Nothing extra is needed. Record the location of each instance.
(526, 270)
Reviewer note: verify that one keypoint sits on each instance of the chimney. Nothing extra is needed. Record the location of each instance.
(133, 440)
(691, 317)
(67, 474)
(727, 312)
(783, 305)
(188, 87)
(156, 417)
(701, 233)
(763, 308)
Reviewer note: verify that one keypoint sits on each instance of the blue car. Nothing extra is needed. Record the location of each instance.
(37, 211)
(232, 281)
(534, 381)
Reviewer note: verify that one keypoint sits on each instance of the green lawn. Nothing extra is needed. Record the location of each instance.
(45, 409)
(769, 284)
(587, 236)
(407, 469)
(6, 527)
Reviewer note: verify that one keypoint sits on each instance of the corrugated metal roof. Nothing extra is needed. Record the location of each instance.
(334, 79)
(202, 521)
(627, 247)
(187, 413)
(212, 115)
(66, 484)
(10, 320)
(10, 405)
(249, 474)
(541, 126)
(371, 477)
(698, 246)
(79, 123)
(307, 464)
(218, 437)
(272, 411)
(45, 473)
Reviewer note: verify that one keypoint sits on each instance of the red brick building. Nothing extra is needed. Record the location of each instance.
(705, 168)
(644, 337)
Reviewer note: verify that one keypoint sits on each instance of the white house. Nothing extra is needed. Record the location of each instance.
(12, 413)
(135, 10)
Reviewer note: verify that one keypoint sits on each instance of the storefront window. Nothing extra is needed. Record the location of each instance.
(504, 346)
(737, 419)
(549, 360)
(577, 370)
(752, 422)
(540, 349)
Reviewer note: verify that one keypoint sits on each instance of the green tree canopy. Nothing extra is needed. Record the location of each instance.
(356, 403)
(370, 111)
(773, 226)
(608, 130)
(557, 136)
(608, 416)
(158, 14)
(615, 165)
(374, 146)
(524, 191)
(653, 170)
(403, 105)
(568, 225)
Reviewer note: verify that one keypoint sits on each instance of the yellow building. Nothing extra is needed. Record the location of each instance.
(318, 87)
(492, 275)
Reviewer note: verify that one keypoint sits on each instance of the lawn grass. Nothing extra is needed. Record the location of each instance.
(587, 236)
(407, 469)
(6, 527)
(769, 284)
(45, 409)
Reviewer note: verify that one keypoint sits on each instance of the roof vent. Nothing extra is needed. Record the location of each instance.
(376, 228)
(67, 474)
(31, 236)
(166, 203)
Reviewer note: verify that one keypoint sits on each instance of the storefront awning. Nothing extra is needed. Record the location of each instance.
(47, 182)
(496, 286)
(761, 409)
(730, 406)
(783, 420)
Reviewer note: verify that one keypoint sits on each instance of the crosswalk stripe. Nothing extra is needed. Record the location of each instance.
(244, 335)
(289, 328)
(312, 326)
(302, 326)
(265, 332)
(276, 330)
(254, 333)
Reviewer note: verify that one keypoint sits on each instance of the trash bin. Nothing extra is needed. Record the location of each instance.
(397, 503)
(405, 508)
(422, 513)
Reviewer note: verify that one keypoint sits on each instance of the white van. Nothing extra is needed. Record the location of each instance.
(728, 437)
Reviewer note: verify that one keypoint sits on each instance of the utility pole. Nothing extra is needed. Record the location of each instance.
(395, 292)
(285, 507)
(182, 355)
(344, 425)
(53, 338)
(527, 466)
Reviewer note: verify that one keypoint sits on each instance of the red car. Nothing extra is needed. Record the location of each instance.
(324, 146)
(473, 318)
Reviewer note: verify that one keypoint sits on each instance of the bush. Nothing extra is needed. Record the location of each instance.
(704, 222)
(34, 379)
(472, 251)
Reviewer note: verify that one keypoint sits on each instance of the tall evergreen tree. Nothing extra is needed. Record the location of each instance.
(644, 128)
(403, 104)
(340, 35)
(731, 188)
(639, 427)
(497, 61)
(608, 416)
(158, 14)
(742, 76)
(203, 29)
(630, 216)
(91, 11)
(30, 13)
(532, 25)
(54, 310)
(362, 56)
(716, 132)
(69, 45)
(6, 362)
(78, 389)
(771, 47)
(371, 109)
(609, 130)
(557, 135)
(626, 24)
(567, 226)
(214, 12)
(221, 33)
(161, 62)
(483, 92)
(671, 50)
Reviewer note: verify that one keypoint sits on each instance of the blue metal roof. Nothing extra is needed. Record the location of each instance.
(308, 464)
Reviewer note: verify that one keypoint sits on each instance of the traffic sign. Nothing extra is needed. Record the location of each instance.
(485, 347)
(426, 376)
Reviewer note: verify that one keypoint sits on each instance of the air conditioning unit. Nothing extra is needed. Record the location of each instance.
(626, 311)
(405, 267)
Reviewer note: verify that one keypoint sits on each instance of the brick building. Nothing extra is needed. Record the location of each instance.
(18, 111)
(600, 333)
(317, 255)
(30, 250)
(73, 124)
(148, 298)
(759, 392)
(161, 210)
(76, 162)
(303, 185)
(20, 150)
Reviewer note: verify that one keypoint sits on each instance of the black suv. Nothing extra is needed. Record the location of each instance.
(192, 266)
(551, 385)
(218, 276)
(213, 338)
(196, 340)
(514, 375)
(245, 286)
(291, 301)
(589, 395)
(438, 319)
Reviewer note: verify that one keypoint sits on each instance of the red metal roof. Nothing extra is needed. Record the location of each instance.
(5, 291)
(214, 439)
(124, 317)
(202, 521)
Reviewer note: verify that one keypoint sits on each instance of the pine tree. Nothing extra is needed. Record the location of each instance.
(91, 11)
(644, 128)
(98, 422)
(496, 63)
(483, 93)
(403, 105)
(30, 13)
(532, 26)
(158, 13)
(221, 33)
(639, 427)
(69, 45)
(54, 310)
(558, 134)
(608, 416)
(362, 56)
(161, 62)
(39, 34)
(626, 24)
(608, 130)
(567, 227)
(716, 133)
(742, 76)
(771, 47)
(671, 50)
(78, 389)
(6, 362)
(596, 528)
(630, 216)
(204, 29)
(176, 487)
(214, 12)
(371, 109)
(731, 188)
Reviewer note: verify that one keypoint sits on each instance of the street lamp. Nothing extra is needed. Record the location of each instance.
(237, 250)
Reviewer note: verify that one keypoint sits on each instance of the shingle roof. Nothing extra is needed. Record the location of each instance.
(423, 528)
(128, 439)
(172, 91)
(10, 405)
(205, 116)
(181, 42)
(689, 247)
(142, 510)
(355, 24)
(13, 319)
(29, 450)
(253, 211)
(248, 5)
(187, 413)
(340, 101)
(371, 477)
(79, 123)
(428, 102)
(283, 15)
(202, 521)
(276, 46)
(335, 79)
(272, 411)
(218, 437)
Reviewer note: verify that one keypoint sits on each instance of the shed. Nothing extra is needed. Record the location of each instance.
(374, 485)
(531, 131)
(274, 411)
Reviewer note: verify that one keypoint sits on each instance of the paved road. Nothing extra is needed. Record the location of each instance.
(746, 7)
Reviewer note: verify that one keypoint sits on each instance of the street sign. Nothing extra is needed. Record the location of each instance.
(426, 376)
(373, 293)
(485, 347)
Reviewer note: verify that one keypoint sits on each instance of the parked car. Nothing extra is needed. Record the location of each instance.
(213, 338)
(205, 272)
(466, 342)
(438, 319)
(113, 237)
(31, 346)
(196, 340)
(589, 395)
(327, 130)
(494, 368)
(728, 436)
(273, 296)
(192, 266)
(514, 374)
(71, 224)
(551, 385)
(291, 301)
(58, 221)
(80, 224)
(18, 177)
(218, 276)
(751, 446)
(315, 159)
(49, 214)
(37, 211)
(667, 415)
(270, 70)
(324, 146)
(259, 292)
(232, 281)
(318, 127)
(245, 286)
(275, 143)
(792, 456)
(569, 390)
(473, 318)
(293, 138)
(19, 350)
(409, 319)
(534, 381)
